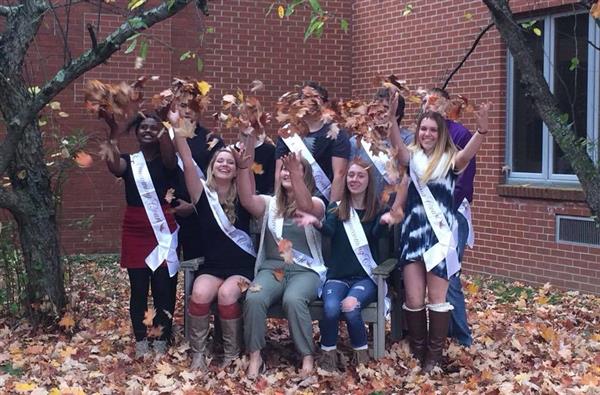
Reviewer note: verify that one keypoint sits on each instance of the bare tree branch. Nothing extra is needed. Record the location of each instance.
(91, 58)
(6, 10)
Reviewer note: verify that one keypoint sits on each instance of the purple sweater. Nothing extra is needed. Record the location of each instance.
(464, 184)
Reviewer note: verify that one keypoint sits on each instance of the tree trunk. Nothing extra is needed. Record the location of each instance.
(544, 102)
(36, 217)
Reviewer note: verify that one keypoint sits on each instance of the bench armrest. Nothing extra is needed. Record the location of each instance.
(191, 264)
(385, 269)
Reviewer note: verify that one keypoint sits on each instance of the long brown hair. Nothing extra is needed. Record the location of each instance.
(286, 207)
(443, 145)
(229, 203)
(371, 200)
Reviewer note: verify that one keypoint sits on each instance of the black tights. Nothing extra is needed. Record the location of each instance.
(163, 296)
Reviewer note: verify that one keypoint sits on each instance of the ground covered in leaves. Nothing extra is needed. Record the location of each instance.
(527, 340)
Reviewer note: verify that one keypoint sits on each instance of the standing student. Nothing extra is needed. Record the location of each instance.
(148, 249)
(229, 254)
(295, 283)
(263, 166)
(429, 254)
(354, 229)
(330, 155)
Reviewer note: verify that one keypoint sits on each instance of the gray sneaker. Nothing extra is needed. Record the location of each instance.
(142, 348)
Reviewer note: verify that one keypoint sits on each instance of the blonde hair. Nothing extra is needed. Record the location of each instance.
(371, 201)
(230, 202)
(286, 207)
(444, 145)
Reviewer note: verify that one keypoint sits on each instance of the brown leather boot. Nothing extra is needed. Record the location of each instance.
(232, 340)
(438, 331)
(328, 360)
(199, 326)
(360, 357)
(416, 321)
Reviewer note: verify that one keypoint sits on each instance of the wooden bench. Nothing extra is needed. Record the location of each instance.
(373, 314)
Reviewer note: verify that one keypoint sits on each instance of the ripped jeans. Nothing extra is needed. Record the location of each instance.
(334, 292)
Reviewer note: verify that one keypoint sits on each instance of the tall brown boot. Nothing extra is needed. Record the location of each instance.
(439, 318)
(198, 337)
(416, 320)
(232, 340)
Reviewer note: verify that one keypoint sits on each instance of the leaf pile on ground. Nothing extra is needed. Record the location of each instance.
(526, 340)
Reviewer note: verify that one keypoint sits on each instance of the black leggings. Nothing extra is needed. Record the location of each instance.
(163, 295)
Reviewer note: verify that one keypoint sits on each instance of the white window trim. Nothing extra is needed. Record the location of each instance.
(546, 176)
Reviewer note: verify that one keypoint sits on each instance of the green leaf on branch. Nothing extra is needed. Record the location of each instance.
(136, 35)
(137, 23)
(316, 6)
(131, 47)
(315, 27)
(563, 118)
(133, 4)
(574, 64)
(144, 49)
(537, 31)
(210, 29)
(344, 25)
(200, 64)
(170, 4)
(185, 55)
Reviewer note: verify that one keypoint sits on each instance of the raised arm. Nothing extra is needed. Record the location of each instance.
(167, 150)
(395, 139)
(253, 203)
(304, 201)
(465, 155)
(340, 166)
(116, 165)
(192, 180)
(396, 214)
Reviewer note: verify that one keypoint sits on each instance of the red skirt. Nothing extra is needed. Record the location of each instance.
(138, 240)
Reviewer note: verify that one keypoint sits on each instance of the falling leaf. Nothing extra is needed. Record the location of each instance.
(537, 31)
(83, 159)
(256, 86)
(67, 322)
(344, 25)
(257, 168)
(170, 195)
(285, 250)
(63, 114)
(255, 288)
(203, 87)
(281, 11)
(138, 63)
(408, 9)
(149, 316)
(243, 285)
(54, 105)
(333, 132)
(279, 273)
(212, 143)
(22, 174)
(229, 99)
(468, 16)
(156, 331)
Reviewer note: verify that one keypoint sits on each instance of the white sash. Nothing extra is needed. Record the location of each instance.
(167, 241)
(198, 169)
(296, 145)
(447, 238)
(379, 161)
(238, 236)
(465, 210)
(275, 225)
(360, 246)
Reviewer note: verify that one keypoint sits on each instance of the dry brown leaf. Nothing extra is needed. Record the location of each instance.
(257, 168)
(83, 159)
(67, 322)
(170, 195)
(284, 247)
(149, 316)
(279, 274)
(243, 285)
(156, 331)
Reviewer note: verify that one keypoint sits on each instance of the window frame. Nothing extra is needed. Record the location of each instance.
(547, 175)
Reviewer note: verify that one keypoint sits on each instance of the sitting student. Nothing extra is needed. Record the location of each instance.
(353, 225)
(294, 283)
(228, 252)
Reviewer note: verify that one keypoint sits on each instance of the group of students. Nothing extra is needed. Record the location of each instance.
(305, 188)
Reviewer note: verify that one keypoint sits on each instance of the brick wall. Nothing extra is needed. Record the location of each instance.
(515, 236)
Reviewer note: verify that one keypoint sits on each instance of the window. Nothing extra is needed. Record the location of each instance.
(571, 67)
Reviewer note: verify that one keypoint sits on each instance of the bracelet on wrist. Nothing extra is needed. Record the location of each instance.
(480, 132)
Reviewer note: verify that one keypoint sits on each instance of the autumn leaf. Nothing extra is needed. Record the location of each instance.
(333, 132)
(243, 285)
(547, 333)
(149, 316)
(24, 387)
(279, 273)
(83, 159)
(281, 11)
(595, 10)
(285, 250)
(212, 143)
(170, 195)
(156, 331)
(256, 85)
(67, 322)
(229, 99)
(472, 289)
(187, 128)
(203, 87)
(257, 168)
(54, 105)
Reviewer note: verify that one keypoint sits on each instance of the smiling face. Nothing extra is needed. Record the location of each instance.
(148, 130)
(284, 177)
(357, 179)
(224, 166)
(428, 134)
